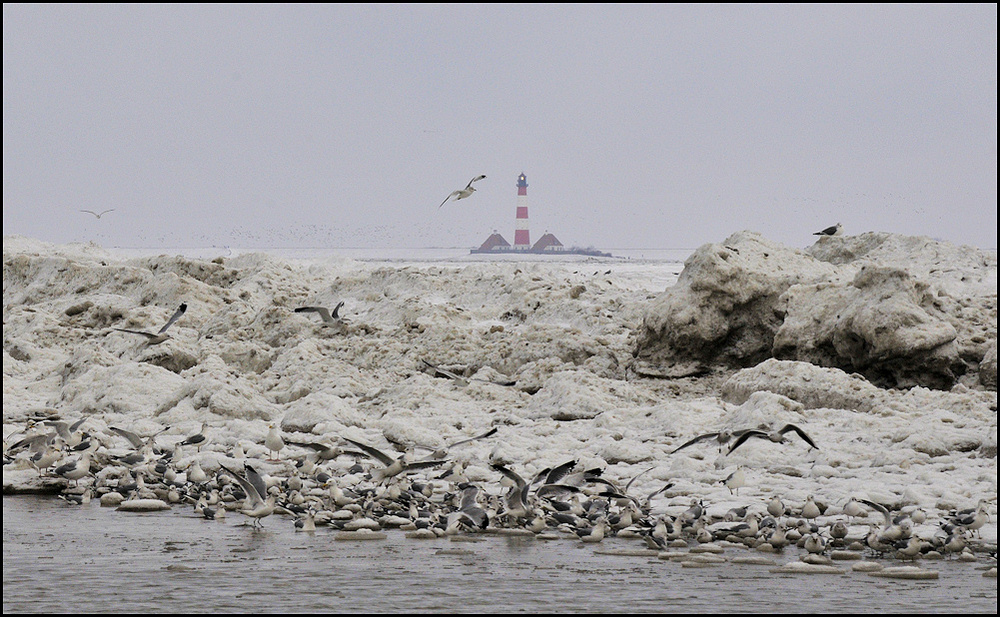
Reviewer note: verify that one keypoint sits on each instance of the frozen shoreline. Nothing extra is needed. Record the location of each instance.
(564, 331)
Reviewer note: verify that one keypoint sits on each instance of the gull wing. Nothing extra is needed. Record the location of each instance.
(323, 312)
(375, 453)
(560, 472)
(453, 193)
(177, 315)
(694, 441)
(545, 489)
(800, 433)
(484, 435)
(255, 498)
(133, 438)
(742, 438)
(255, 478)
(336, 310)
(449, 374)
(148, 335)
(511, 475)
(636, 477)
(318, 447)
(61, 427)
(665, 487)
(882, 509)
(518, 497)
(423, 464)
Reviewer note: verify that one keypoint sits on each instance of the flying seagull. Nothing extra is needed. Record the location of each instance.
(834, 230)
(255, 506)
(161, 335)
(462, 381)
(777, 436)
(518, 505)
(329, 319)
(440, 453)
(137, 441)
(391, 467)
(98, 214)
(721, 437)
(463, 193)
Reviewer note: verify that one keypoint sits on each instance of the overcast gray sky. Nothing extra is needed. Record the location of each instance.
(638, 126)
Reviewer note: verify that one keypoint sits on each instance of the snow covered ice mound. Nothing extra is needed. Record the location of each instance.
(901, 311)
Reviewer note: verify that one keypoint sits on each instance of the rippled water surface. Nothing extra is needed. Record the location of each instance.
(63, 558)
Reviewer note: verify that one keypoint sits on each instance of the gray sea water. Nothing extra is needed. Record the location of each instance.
(65, 558)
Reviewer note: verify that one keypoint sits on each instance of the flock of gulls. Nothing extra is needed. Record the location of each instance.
(356, 487)
(352, 486)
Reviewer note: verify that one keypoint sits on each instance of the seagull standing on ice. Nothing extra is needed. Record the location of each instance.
(161, 335)
(75, 469)
(198, 439)
(48, 456)
(833, 230)
(273, 442)
(776, 507)
(735, 480)
(463, 193)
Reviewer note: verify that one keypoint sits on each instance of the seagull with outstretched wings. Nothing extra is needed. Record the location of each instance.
(329, 318)
(98, 214)
(153, 338)
(463, 193)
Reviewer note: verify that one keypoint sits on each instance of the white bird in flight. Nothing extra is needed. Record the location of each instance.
(463, 193)
(161, 335)
(777, 436)
(329, 319)
(391, 467)
(98, 214)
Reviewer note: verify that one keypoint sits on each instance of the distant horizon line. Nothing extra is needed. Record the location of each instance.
(355, 248)
(374, 248)
(576, 246)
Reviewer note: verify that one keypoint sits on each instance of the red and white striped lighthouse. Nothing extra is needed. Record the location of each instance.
(521, 240)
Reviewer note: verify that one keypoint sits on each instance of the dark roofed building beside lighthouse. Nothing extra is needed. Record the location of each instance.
(548, 244)
(494, 244)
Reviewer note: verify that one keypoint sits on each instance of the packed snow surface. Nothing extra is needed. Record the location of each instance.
(611, 362)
